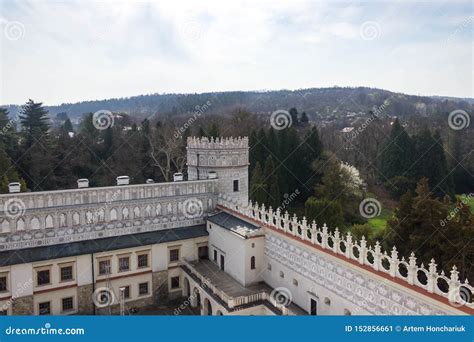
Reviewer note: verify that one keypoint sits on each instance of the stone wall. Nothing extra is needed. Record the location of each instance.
(23, 306)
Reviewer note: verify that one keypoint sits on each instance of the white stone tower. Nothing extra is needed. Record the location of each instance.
(224, 158)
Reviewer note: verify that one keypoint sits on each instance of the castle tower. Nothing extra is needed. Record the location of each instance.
(226, 159)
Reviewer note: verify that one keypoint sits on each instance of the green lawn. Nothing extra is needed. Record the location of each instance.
(470, 201)
(380, 222)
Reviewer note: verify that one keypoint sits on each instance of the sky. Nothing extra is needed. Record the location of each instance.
(69, 51)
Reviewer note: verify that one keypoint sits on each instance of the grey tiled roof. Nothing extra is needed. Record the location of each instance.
(233, 223)
(100, 245)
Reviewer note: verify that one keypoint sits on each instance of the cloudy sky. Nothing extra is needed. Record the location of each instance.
(67, 51)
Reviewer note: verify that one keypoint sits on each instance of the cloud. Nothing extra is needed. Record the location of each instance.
(82, 50)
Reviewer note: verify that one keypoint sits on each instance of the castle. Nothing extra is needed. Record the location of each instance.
(103, 250)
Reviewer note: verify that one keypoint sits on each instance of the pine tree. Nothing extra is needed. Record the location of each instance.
(396, 158)
(214, 131)
(270, 179)
(304, 118)
(294, 116)
(34, 121)
(257, 185)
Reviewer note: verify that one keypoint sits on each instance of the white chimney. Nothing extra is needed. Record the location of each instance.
(14, 187)
(123, 180)
(82, 183)
(178, 177)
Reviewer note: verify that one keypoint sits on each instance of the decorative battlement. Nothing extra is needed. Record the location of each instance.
(218, 143)
(458, 293)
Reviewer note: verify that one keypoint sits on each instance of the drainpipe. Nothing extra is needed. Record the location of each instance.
(93, 283)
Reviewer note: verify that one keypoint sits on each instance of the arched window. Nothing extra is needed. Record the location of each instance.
(48, 222)
(75, 219)
(35, 223)
(147, 211)
(89, 217)
(101, 215)
(125, 213)
(136, 213)
(5, 228)
(347, 312)
(113, 215)
(62, 220)
(252, 263)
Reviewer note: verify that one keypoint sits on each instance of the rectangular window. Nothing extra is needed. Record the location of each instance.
(44, 308)
(104, 267)
(124, 264)
(43, 277)
(143, 260)
(175, 282)
(66, 273)
(174, 255)
(143, 289)
(215, 256)
(236, 185)
(3, 284)
(68, 304)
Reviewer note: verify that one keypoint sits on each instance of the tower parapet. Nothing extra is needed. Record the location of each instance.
(226, 159)
(218, 143)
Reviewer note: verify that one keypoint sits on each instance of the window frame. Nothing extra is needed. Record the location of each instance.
(123, 257)
(147, 288)
(49, 308)
(107, 260)
(41, 270)
(72, 304)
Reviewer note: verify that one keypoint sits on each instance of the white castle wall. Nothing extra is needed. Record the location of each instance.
(329, 262)
(52, 217)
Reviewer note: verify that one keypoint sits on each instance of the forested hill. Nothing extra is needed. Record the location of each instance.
(317, 102)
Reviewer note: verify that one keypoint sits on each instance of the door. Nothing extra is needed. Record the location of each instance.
(222, 262)
(314, 307)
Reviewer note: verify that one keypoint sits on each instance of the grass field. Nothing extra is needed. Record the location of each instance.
(380, 222)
